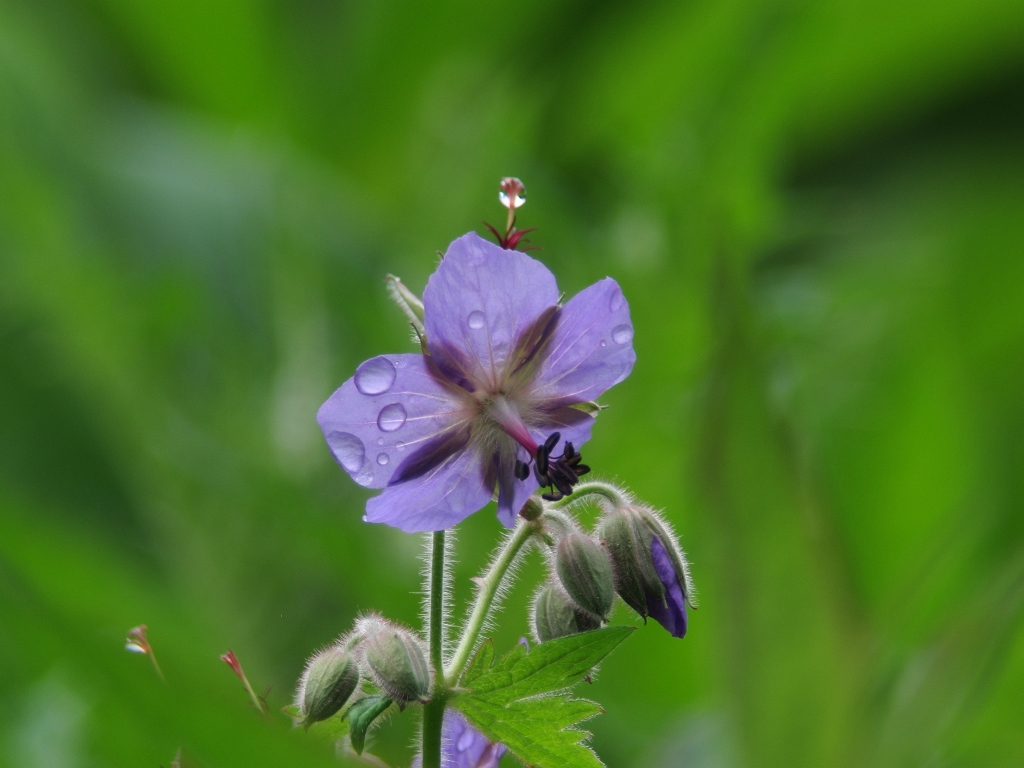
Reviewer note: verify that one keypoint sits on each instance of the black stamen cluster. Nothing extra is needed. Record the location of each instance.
(557, 474)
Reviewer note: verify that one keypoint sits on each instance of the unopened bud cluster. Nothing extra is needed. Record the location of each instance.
(633, 554)
(390, 656)
(396, 661)
(330, 679)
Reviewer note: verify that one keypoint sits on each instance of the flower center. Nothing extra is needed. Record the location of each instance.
(559, 474)
(506, 415)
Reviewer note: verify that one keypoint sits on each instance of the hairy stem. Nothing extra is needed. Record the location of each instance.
(487, 590)
(433, 711)
(593, 488)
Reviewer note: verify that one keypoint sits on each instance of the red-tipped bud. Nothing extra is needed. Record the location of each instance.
(232, 661)
(513, 193)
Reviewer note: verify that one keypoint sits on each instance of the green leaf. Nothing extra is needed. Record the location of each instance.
(481, 663)
(521, 700)
(361, 715)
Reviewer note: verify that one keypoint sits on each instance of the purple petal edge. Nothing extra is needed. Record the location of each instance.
(671, 613)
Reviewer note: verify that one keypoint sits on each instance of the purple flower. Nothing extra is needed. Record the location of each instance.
(463, 746)
(493, 394)
(669, 611)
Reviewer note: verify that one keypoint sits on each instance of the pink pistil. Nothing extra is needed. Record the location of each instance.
(507, 417)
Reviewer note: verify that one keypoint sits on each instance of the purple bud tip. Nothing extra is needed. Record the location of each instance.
(670, 613)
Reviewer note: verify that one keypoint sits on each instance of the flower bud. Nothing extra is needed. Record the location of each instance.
(397, 662)
(554, 615)
(651, 573)
(328, 681)
(585, 571)
(627, 539)
(558, 525)
(532, 509)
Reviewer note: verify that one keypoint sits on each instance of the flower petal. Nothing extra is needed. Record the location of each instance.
(478, 303)
(393, 405)
(513, 492)
(670, 613)
(463, 746)
(445, 496)
(591, 349)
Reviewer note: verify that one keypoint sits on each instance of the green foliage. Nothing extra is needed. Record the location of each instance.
(360, 717)
(813, 208)
(520, 699)
(481, 663)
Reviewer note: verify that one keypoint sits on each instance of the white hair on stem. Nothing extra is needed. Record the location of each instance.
(427, 558)
(504, 587)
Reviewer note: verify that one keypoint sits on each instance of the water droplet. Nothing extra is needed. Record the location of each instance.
(604, 343)
(383, 459)
(622, 334)
(348, 450)
(400, 445)
(375, 377)
(476, 320)
(391, 417)
(617, 300)
(365, 475)
(380, 441)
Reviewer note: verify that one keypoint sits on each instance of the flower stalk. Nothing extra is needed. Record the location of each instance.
(487, 590)
(606, 491)
(433, 711)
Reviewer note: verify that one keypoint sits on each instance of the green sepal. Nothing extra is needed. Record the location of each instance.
(585, 571)
(590, 408)
(555, 615)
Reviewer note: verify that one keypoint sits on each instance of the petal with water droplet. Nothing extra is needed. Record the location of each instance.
(577, 367)
(478, 303)
(415, 409)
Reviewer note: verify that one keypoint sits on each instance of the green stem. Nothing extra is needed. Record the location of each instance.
(594, 488)
(437, 607)
(433, 711)
(486, 592)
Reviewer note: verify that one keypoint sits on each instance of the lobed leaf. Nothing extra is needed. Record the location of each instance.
(521, 700)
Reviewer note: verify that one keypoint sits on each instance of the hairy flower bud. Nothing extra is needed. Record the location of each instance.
(397, 662)
(651, 573)
(558, 525)
(329, 680)
(532, 509)
(627, 540)
(555, 615)
(585, 571)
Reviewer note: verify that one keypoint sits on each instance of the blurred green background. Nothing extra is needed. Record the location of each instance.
(816, 210)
